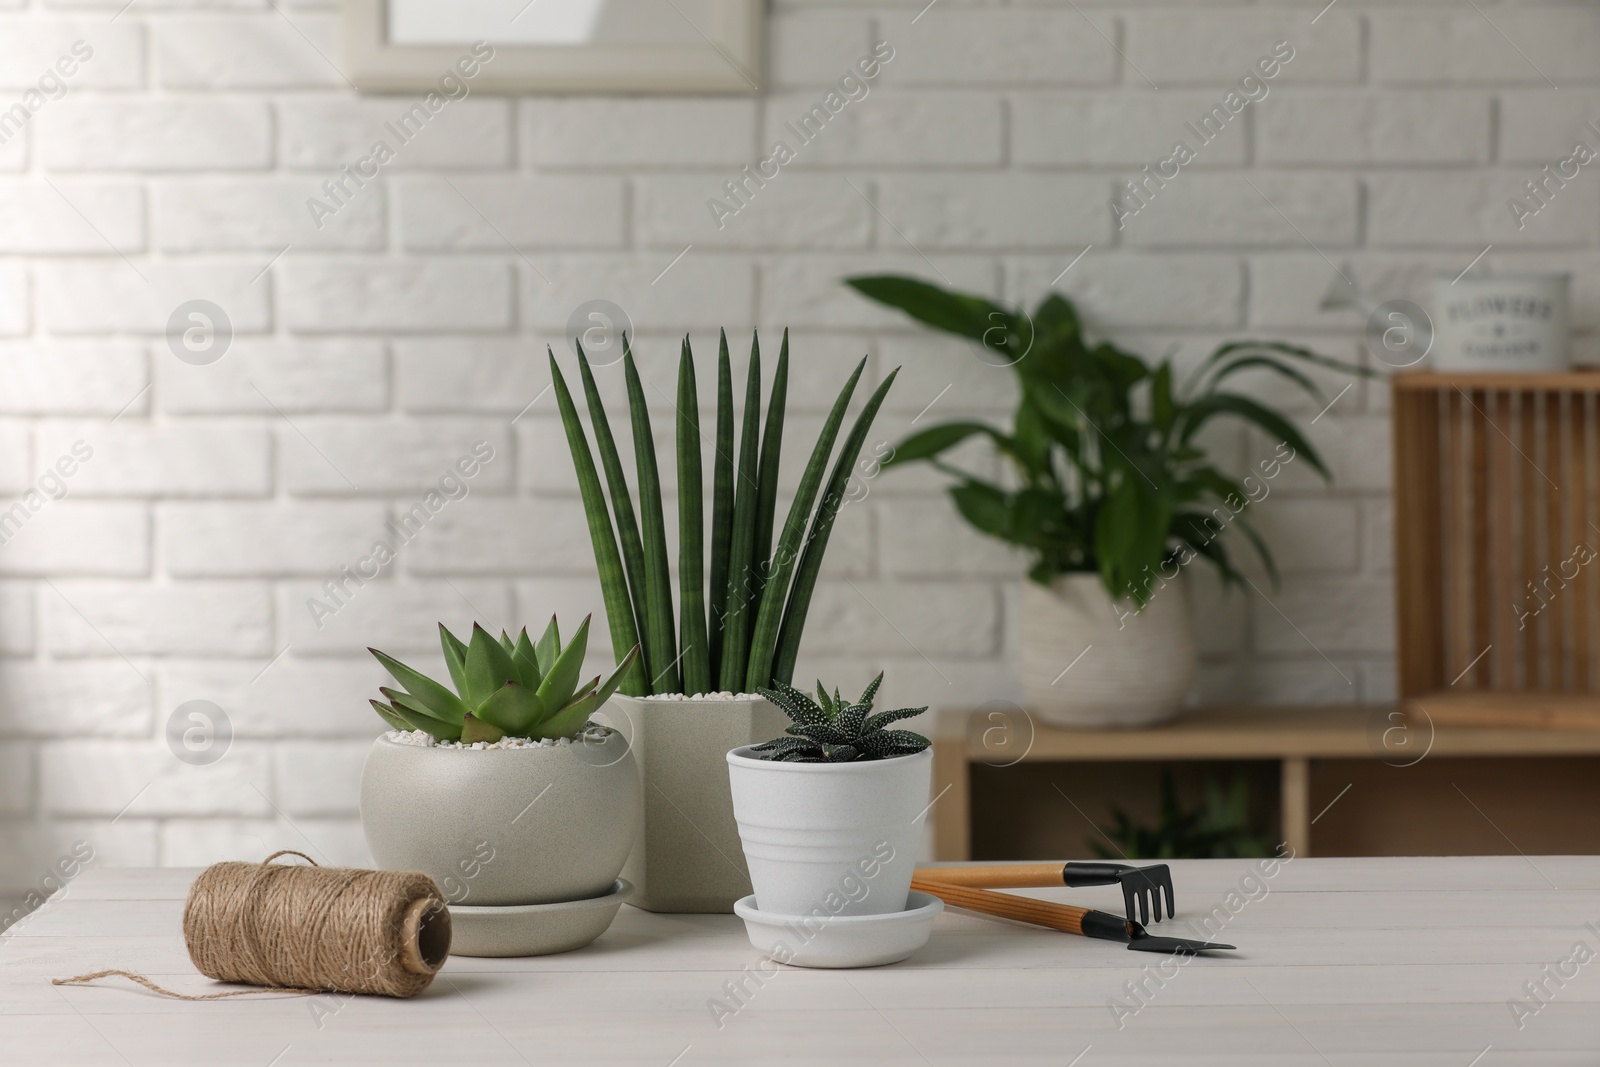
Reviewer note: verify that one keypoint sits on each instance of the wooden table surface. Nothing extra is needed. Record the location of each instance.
(1404, 962)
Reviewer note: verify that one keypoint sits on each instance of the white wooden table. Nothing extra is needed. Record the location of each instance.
(1344, 961)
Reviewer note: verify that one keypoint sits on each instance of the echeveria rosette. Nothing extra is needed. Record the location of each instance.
(834, 730)
(503, 688)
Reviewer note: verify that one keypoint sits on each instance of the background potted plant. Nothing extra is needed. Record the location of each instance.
(1111, 493)
(504, 792)
(742, 605)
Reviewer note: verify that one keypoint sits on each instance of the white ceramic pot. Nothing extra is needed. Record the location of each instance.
(1138, 667)
(687, 857)
(536, 825)
(840, 837)
(1505, 323)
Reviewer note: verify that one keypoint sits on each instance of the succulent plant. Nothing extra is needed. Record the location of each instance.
(741, 615)
(831, 729)
(504, 688)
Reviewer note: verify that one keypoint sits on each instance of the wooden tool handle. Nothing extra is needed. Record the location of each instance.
(1063, 917)
(1003, 876)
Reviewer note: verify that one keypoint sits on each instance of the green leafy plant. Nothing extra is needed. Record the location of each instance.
(503, 688)
(1220, 828)
(1110, 475)
(740, 618)
(831, 729)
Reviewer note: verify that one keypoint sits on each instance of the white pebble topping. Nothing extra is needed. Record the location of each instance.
(592, 734)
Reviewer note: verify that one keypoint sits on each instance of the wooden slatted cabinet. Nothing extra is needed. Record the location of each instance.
(1497, 542)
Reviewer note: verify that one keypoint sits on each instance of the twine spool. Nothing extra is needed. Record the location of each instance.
(311, 929)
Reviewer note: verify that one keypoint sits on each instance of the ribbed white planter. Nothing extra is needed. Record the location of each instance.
(1139, 665)
(687, 856)
(838, 836)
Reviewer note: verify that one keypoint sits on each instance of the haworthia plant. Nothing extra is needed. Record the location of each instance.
(741, 615)
(832, 729)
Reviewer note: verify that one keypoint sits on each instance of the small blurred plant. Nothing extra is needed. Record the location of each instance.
(1219, 828)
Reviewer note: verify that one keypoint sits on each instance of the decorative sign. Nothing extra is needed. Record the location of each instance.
(1509, 323)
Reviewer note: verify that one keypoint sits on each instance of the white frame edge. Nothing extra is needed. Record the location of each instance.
(732, 65)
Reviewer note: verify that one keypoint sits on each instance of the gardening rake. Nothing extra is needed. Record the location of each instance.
(1063, 917)
(1142, 887)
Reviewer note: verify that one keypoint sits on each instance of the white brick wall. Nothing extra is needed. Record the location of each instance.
(371, 353)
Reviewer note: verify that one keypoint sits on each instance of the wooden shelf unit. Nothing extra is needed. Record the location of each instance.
(1291, 737)
(1497, 533)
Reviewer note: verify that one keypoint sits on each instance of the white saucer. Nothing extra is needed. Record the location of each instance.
(534, 929)
(841, 940)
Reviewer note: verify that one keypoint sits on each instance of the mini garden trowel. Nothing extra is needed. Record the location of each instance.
(1064, 917)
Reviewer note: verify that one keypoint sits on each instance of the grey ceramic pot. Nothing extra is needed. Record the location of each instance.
(688, 857)
(533, 825)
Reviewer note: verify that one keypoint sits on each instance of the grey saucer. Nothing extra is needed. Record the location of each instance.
(533, 929)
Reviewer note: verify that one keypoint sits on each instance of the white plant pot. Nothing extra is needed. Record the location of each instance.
(840, 837)
(535, 825)
(687, 856)
(1501, 323)
(1138, 667)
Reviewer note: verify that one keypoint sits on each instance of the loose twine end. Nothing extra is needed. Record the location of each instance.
(86, 979)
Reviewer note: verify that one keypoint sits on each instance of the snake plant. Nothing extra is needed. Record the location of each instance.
(831, 729)
(504, 688)
(740, 613)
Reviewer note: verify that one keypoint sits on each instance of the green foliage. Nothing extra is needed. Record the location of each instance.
(740, 614)
(1220, 828)
(1109, 477)
(503, 688)
(834, 730)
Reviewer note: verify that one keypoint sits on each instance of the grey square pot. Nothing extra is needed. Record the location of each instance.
(687, 857)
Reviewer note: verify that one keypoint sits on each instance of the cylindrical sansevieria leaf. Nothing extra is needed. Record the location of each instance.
(660, 646)
(833, 498)
(608, 561)
(617, 482)
(733, 627)
(738, 608)
(695, 654)
(721, 509)
(775, 593)
(771, 461)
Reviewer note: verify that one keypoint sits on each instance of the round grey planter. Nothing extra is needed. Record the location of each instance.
(535, 825)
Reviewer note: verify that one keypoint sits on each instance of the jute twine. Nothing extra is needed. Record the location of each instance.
(309, 929)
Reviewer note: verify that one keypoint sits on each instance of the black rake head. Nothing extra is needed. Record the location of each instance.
(1143, 887)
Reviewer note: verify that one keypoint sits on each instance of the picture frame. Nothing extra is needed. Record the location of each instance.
(718, 48)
